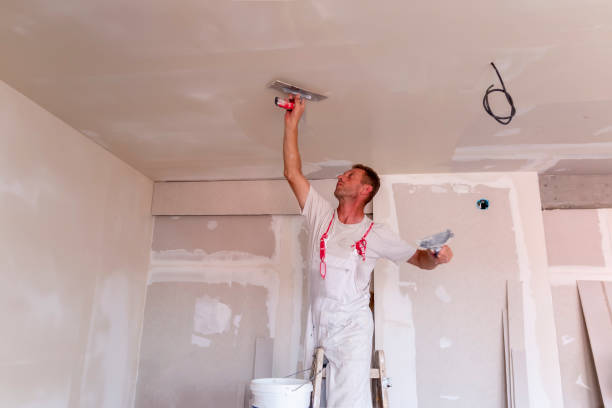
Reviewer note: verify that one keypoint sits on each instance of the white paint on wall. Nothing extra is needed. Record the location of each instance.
(565, 339)
(200, 341)
(211, 316)
(212, 225)
(443, 295)
(445, 342)
(449, 397)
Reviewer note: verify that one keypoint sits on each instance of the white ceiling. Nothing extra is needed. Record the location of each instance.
(178, 89)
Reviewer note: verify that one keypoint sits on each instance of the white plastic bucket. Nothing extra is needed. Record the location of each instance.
(280, 393)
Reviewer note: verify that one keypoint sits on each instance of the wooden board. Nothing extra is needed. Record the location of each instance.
(597, 310)
(317, 376)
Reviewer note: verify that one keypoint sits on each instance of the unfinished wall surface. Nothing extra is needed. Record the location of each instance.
(578, 245)
(74, 238)
(225, 301)
(441, 330)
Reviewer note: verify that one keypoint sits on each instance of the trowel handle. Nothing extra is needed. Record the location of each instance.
(282, 103)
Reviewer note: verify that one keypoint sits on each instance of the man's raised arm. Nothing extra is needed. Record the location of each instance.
(291, 154)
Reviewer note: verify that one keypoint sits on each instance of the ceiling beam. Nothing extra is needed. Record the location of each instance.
(575, 191)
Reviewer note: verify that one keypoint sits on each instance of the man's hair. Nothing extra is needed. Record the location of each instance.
(370, 177)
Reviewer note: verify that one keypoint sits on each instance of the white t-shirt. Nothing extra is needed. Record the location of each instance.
(382, 242)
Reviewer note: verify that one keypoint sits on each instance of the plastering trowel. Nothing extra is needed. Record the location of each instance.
(436, 242)
(293, 90)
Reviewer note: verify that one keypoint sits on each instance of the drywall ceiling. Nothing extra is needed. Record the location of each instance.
(178, 89)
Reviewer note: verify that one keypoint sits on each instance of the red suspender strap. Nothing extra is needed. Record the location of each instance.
(323, 265)
(362, 243)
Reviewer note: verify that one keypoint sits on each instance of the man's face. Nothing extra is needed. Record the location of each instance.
(349, 184)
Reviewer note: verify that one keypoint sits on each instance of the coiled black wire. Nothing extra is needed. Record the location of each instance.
(504, 120)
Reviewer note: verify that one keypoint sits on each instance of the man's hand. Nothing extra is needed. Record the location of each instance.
(292, 117)
(444, 255)
(426, 259)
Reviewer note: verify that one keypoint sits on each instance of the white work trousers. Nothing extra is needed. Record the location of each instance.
(346, 338)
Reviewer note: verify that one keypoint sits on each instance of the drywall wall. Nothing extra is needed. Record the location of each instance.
(249, 197)
(578, 246)
(74, 237)
(220, 288)
(442, 330)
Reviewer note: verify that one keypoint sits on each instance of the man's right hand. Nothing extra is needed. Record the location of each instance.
(292, 117)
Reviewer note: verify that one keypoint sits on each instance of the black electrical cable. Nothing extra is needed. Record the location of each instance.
(504, 120)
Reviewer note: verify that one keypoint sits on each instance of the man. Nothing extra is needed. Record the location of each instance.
(345, 246)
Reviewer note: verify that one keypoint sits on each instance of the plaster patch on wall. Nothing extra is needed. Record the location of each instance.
(28, 194)
(539, 157)
(443, 295)
(607, 129)
(229, 267)
(524, 110)
(581, 383)
(236, 323)
(438, 189)
(449, 397)
(200, 341)
(445, 342)
(567, 339)
(108, 346)
(507, 132)
(409, 285)
(462, 188)
(212, 225)
(211, 316)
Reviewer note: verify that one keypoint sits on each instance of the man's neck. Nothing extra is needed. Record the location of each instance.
(350, 212)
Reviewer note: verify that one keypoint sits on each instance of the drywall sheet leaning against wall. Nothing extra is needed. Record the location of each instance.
(219, 286)
(596, 300)
(441, 330)
(579, 247)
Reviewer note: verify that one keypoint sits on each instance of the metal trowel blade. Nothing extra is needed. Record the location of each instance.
(436, 241)
(292, 89)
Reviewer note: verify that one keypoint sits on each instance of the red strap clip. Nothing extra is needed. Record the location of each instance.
(322, 243)
(362, 244)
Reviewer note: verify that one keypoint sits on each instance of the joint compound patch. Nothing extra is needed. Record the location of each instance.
(443, 295)
(236, 322)
(581, 383)
(200, 341)
(567, 339)
(445, 342)
(211, 316)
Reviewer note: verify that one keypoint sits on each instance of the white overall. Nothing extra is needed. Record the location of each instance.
(343, 325)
